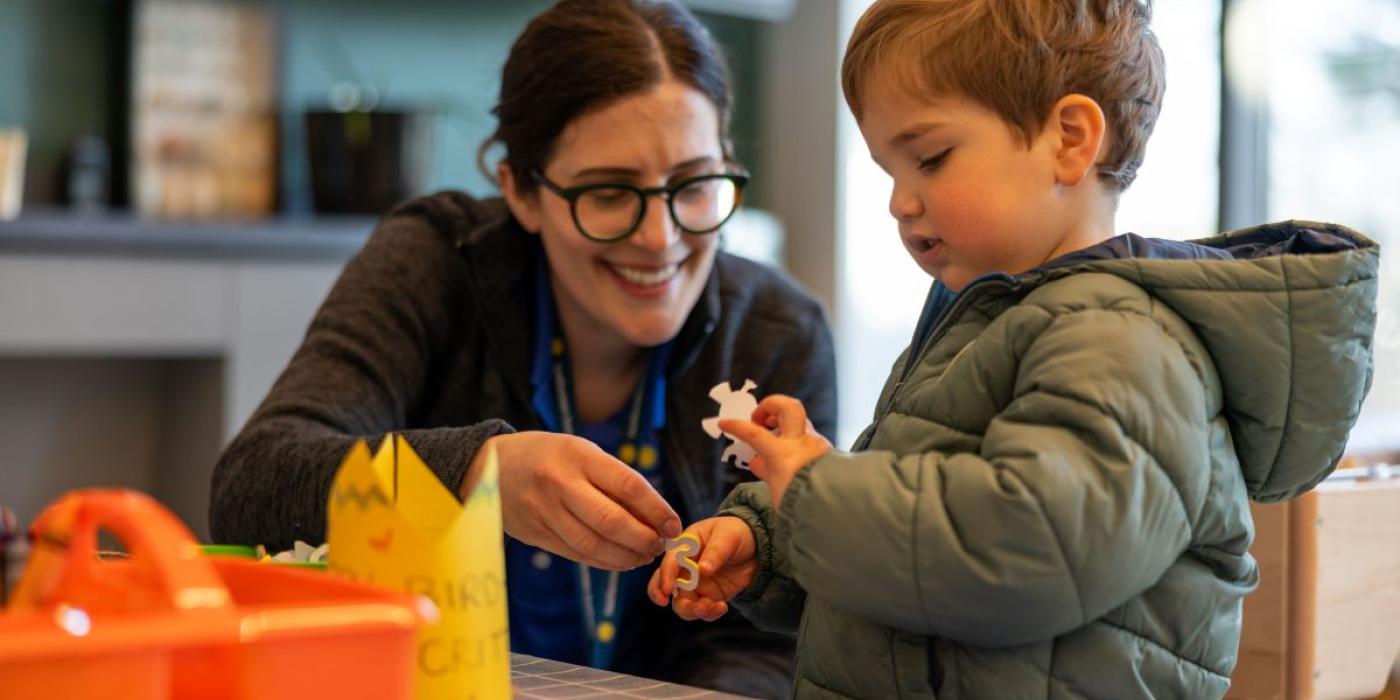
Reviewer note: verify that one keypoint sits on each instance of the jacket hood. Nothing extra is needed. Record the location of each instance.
(1288, 313)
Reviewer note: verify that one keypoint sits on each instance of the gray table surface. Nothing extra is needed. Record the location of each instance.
(533, 678)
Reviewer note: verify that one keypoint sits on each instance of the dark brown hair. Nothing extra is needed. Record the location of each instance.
(582, 55)
(1018, 58)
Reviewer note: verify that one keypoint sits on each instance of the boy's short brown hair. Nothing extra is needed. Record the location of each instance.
(1018, 58)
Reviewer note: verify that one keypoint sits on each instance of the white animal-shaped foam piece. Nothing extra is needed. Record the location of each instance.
(736, 405)
(683, 548)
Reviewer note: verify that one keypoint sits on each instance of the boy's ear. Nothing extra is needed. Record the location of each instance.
(1079, 124)
(524, 206)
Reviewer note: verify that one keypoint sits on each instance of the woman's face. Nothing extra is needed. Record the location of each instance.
(640, 289)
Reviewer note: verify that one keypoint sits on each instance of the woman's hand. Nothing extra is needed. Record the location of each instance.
(781, 453)
(563, 494)
(727, 566)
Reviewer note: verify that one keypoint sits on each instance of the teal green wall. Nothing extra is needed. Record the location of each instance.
(439, 54)
(443, 55)
(742, 40)
(53, 79)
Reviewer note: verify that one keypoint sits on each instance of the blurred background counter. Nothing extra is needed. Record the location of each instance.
(131, 351)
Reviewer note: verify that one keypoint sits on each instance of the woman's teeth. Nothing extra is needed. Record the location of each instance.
(646, 277)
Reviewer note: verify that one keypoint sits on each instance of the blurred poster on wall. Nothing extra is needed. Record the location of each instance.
(204, 125)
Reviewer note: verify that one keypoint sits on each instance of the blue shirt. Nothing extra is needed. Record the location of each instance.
(544, 593)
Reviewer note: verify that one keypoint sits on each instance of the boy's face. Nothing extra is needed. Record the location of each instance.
(969, 197)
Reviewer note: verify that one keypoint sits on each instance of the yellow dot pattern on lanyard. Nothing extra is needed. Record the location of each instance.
(646, 459)
(606, 632)
(627, 453)
(556, 349)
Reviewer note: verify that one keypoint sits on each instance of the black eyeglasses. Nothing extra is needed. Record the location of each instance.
(608, 211)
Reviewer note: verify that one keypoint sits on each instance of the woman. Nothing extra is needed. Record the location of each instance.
(576, 324)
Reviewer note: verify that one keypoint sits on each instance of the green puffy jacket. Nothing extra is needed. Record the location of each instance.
(1052, 500)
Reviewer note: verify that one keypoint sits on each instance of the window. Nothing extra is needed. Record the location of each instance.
(1176, 190)
(1332, 89)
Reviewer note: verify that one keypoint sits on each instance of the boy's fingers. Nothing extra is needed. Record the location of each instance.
(757, 437)
(684, 605)
(708, 609)
(689, 605)
(715, 609)
(662, 584)
(654, 588)
(759, 466)
(792, 416)
(764, 416)
(668, 570)
(718, 551)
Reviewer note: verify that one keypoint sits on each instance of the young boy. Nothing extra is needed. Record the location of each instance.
(1052, 500)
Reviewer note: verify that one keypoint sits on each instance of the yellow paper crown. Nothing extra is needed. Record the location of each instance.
(391, 522)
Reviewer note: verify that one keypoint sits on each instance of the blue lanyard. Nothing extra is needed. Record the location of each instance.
(639, 449)
(600, 612)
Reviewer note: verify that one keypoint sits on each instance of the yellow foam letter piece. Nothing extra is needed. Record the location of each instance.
(682, 549)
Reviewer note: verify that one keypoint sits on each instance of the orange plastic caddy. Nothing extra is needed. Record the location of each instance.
(168, 622)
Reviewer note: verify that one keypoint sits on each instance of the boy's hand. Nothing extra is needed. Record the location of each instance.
(727, 566)
(782, 453)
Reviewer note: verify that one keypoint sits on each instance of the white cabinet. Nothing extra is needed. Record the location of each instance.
(131, 353)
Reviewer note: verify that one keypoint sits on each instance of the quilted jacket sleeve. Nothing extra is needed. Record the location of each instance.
(774, 600)
(1065, 512)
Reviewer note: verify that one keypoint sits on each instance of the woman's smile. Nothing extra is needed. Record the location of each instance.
(645, 281)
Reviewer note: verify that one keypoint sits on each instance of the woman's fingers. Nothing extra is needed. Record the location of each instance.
(564, 494)
(587, 547)
(610, 520)
(634, 493)
(551, 542)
